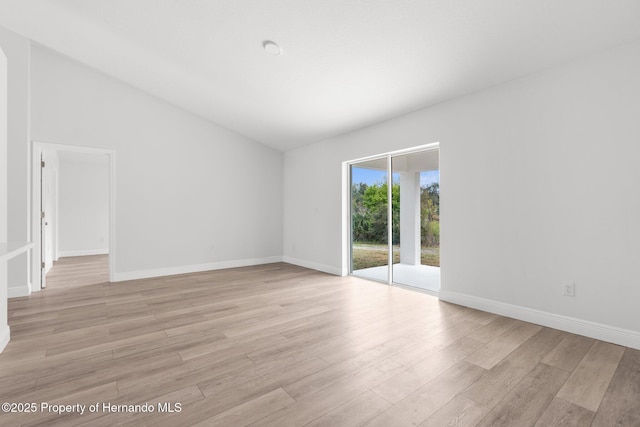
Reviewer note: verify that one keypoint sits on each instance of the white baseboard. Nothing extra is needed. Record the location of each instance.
(170, 271)
(19, 291)
(586, 328)
(5, 336)
(84, 252)
(313, 265)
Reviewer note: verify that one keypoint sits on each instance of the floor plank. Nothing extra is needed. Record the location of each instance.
(311, 408)
(459, 412)
(245, 413)
(528, 400)
(353, 413)
(411, 379)
(589, 381)
(504, 377)
(569, 352)
(621, 403)
(497, 349)
(424, 402)
(563, 413)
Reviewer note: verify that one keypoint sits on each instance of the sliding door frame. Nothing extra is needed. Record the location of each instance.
(347, 204)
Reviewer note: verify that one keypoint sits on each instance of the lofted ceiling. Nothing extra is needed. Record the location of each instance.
(345, 64)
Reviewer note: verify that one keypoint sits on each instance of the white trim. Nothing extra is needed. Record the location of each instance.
(5, 336)
(84, 252)
(411, 150)
(595, 330)
(19, 291)
(389, 221)
(184, 269)
(37, 148)
(417, 289)
(112, 216)
(346, 221)
(313, 265)
(55, 253)
(72, 148)
(10, 250)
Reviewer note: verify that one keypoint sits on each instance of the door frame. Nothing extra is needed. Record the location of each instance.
(347, 244)
(36, 253)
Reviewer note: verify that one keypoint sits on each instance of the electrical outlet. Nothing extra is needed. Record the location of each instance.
(569, 289)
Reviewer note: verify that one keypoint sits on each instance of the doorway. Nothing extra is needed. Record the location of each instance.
(394, 217)
(73, 206)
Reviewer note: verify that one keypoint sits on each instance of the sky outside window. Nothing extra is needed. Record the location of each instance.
(374, 176)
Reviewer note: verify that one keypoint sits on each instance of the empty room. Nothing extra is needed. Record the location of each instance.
(319, 213)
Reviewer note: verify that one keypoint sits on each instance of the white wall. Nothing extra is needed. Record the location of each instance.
(189, 194)
(4, 326)
(539, 182)
(17, 49)
(83, 205)
(3, 147)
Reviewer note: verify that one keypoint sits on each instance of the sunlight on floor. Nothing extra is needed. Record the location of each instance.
(418, 276)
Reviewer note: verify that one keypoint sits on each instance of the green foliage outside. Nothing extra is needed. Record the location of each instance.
(369, 222)
(367, 255)
(430, 215)
(369, 212)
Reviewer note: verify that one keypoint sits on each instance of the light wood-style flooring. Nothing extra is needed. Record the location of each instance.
(280, 345)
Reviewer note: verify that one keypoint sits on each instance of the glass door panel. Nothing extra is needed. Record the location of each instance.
(416, 220)
(369, 223)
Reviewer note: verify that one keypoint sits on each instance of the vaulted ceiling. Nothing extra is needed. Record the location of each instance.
(345, 64)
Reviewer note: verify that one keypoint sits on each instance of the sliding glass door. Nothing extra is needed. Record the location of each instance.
(395, 214)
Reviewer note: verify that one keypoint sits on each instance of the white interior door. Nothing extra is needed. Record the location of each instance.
(46, 220)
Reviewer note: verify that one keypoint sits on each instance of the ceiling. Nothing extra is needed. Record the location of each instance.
(345, 63)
